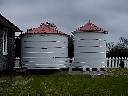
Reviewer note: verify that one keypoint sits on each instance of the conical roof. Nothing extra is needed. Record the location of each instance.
(90, 27)
(45, 28)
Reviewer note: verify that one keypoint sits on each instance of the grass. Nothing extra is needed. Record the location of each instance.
(64, 85)
(118, 71)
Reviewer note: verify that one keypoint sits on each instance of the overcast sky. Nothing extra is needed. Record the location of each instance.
(68, 15)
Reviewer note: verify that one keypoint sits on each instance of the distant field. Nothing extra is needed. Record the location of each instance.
(65, 85)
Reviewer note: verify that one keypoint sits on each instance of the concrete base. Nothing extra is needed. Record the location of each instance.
(94, 69)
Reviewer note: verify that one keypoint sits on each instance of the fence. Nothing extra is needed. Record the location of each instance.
(114, 62)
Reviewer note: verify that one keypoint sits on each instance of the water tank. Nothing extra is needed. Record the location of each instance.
(44, 48)
(90, 47)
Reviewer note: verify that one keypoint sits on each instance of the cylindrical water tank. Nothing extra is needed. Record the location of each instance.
(44, 48)
(90, 47)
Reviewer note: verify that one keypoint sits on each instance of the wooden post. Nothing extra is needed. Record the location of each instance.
(70, 65)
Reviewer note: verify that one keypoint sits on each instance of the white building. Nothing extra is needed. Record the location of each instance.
(44, 48)
(90, 47)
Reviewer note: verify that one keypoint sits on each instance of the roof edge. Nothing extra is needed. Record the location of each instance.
(11, 24)
(77, 31)
(45, 33)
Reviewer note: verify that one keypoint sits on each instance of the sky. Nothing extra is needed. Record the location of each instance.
(68, 15)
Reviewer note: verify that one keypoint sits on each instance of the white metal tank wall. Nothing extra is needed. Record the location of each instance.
(89, 49)
(44, 51)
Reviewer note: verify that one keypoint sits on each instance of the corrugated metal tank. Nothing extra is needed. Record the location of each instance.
(47, 49)
(90, 47)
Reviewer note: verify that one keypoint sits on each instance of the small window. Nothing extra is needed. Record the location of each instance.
(5, 42)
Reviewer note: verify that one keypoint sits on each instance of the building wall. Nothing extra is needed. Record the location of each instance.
(44, 51)
(90, 50)
(11, 50)
(7, 61)
(1, 50)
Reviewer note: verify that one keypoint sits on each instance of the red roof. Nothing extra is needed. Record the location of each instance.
(46, 28)
(90, 27)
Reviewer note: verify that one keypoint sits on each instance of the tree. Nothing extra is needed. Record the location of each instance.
(70, 47)
(118, 50)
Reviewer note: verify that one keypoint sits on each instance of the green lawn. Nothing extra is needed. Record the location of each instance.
(63, 85)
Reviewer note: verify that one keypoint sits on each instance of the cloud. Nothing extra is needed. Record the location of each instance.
(69, 14)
